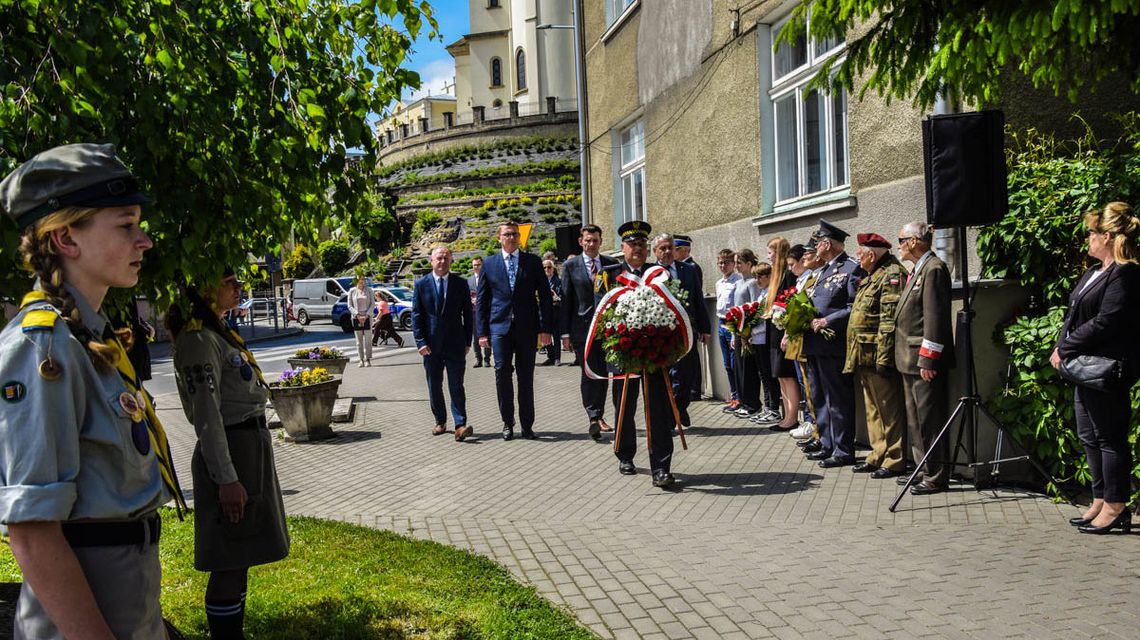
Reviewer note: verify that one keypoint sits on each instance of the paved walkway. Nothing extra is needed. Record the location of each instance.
(757, 543)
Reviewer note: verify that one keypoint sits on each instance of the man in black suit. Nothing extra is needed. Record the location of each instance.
(682, 246)
(635, 249)
(441, 325)
(513, 310)
(685, 372)
(554, 349)
(482, 354)
(581, 281)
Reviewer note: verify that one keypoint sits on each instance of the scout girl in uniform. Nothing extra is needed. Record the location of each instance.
(239, 519)
(84, 463)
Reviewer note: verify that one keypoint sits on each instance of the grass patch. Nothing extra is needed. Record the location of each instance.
(350, 582)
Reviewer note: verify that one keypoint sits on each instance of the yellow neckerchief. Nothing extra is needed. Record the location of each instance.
(249, 356)
(158, 440)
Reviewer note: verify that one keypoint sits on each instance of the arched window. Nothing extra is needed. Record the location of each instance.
(520, 70)
(496, 72)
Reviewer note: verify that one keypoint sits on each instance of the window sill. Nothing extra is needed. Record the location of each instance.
(620, 21)
(807, 208)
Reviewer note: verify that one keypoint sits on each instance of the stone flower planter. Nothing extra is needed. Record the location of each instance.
(335, 366)
(306, 412)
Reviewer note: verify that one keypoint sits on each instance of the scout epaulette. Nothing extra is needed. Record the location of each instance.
(41, 315)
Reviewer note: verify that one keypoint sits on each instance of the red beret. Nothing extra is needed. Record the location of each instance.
(872, 240)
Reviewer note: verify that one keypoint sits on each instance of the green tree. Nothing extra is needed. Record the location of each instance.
(377, 229)
(299, 263)
(917, 48)
(334, 255)
(237, 116)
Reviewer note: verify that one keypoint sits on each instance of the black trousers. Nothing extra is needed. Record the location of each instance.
(686, 375)
(771, 395)
(515, 352)
(593, 391)
(1102, 425)
(747, 379)
(660, 423)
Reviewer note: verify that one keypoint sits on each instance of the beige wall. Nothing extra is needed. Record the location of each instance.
(483, 18)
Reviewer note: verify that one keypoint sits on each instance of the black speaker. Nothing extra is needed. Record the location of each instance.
(964, 161)
(566, 238)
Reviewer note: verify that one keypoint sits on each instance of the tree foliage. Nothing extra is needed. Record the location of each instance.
(236, 115)
(377, 228)
(334, 255)
(299, 264)
(916, 48)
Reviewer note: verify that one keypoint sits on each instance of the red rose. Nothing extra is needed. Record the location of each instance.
(635, 353)
(622, 329)
(625, 343)
(609, 332)
(650, 330)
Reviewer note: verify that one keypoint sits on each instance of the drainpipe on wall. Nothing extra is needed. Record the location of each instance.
(583, 151)
(946, 239)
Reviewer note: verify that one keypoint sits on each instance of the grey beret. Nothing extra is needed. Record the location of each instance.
(73, 175)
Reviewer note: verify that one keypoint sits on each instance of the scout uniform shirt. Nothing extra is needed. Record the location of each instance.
(219, 386)
(69, 449)
(871, 327)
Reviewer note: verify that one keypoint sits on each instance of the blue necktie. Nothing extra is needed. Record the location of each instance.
(439, 295)
(511, 270)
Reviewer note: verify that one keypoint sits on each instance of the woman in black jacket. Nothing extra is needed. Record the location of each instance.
(1102, 309)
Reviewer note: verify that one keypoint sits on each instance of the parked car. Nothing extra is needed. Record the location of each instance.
(399, 304)
(315, 298)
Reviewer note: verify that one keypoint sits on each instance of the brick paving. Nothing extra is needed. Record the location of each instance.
(757, 543)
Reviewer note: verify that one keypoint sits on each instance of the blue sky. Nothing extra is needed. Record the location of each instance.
(429, 57)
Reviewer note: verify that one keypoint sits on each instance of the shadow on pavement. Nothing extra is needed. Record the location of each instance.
(760, 483)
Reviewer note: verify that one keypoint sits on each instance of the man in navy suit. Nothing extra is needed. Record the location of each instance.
(441, 325)
(513, 310)
(686, 372)
(581, 281)
(481, 354)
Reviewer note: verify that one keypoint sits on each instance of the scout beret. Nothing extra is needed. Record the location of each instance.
(828, 230)
(872, 240)
(634, 230)
(73, 175)
(682, 241)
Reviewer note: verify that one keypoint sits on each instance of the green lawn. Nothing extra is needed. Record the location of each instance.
(345, 581)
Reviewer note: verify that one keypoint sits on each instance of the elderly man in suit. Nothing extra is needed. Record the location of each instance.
(442, 328)
(513, 310)
(924, 351)
(482, 354)
(825, 348)
(581, 280)
(685, 373)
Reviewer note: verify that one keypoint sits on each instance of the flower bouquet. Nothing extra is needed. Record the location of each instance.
(319, 353)
(641, 333)
(303, 376)
(793, 312)
(739, 321)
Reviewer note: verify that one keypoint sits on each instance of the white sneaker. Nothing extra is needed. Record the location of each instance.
(361, 365)
(803, 432)
(743, 413)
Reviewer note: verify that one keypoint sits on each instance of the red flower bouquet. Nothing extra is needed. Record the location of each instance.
(740, 321)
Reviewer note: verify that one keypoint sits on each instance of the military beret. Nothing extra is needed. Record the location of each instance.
(73, 175)
(872, 240)
(682, 241)
(828, 230)
(634, 230)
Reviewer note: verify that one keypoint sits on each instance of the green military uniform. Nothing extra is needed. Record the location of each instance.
(223, 395)
(871, 354)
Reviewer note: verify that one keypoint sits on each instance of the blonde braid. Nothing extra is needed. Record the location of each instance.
(41, 259)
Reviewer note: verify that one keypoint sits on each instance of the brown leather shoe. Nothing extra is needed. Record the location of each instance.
(605, 425)
(463, 432)
(439, 430)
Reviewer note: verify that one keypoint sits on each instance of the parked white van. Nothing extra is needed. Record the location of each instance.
(314, 298)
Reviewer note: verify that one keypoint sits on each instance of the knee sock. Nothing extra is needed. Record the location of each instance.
(226, 618)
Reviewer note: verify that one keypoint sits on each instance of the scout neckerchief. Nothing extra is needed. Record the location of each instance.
(146, 414)
(247, 355)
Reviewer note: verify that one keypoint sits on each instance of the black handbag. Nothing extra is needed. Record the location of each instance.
(1094, 372)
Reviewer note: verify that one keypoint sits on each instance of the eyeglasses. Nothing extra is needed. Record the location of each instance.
(509, 234)
(903, 240)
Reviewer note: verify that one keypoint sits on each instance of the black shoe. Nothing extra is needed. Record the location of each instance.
(477, 365)
(864, 467)
(626, 468)
(839, 461)
(819, 455)
(529, 434)
(546, 363)
(812, 447)
(902, 480)
(663, 479)
(777, 427)
(1122, 522)
(508, 432)
(811, 442)
(881, 473)
(685, 421)
(595, 431)
(1080, 522)
(925, 488)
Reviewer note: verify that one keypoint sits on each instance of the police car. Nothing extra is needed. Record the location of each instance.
(399, 303)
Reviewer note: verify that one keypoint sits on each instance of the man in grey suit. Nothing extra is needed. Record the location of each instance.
(833, 295)
(924, 351)
(580, 294)
(481, 354)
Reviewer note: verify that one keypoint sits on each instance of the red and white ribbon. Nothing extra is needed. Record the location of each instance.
(655, 279)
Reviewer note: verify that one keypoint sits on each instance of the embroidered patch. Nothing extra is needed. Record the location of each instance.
(130, 404)
(140, 437)
(235, 360)
(893, 281)
(14, 391)
(246, 372)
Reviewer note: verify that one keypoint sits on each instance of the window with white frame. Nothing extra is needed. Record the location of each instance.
(810, 125)
(631, 159)
(520, 70)
(615, 9)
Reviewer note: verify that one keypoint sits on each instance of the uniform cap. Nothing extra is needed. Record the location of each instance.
(872, 240)
(828, 230)
(810, 246)
(634, 230)
(682, 241)
(73, 175)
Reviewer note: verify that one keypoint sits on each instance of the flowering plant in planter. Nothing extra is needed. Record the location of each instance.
(739, 321)
(640, 332)
(303, 376)
(320, 353)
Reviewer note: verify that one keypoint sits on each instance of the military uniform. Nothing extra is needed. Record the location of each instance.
(871, 355)
(223, 395)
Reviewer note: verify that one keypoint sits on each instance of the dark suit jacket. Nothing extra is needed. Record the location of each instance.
(529, 309)
(695, 305)
(696, 267)
(833, 294)
(578, 297)
(1101, 319)
(448, 333)
(923, 318)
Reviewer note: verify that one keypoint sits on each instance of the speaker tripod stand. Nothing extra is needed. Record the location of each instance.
(970, 403)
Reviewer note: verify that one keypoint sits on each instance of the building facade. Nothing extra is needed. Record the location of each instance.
(423, 115)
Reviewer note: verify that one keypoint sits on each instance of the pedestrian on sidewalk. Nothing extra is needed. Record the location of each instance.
(84, 461)
(442, 327)
(239, 518)
(360, 303)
